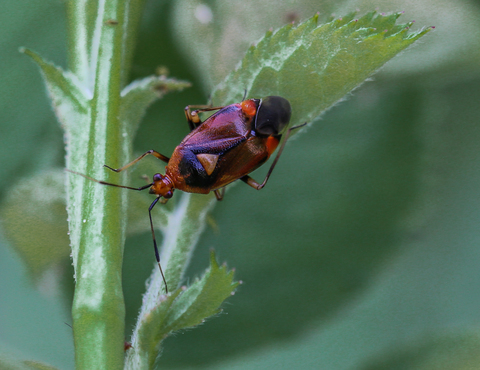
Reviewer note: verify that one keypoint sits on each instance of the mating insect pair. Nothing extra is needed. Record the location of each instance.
(227, 146)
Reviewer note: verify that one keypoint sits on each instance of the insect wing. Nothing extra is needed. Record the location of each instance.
(227, 123)
(245, 158)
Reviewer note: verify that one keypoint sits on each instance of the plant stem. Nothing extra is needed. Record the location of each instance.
(98, 49)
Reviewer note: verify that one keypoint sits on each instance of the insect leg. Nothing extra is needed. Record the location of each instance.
(157, 255)
(192, 117)
(152, 152)
(219, 193)
(249, 181)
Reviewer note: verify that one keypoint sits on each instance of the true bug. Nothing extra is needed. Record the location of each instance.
(227, 146)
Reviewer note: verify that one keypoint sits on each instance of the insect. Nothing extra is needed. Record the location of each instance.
(227, 146)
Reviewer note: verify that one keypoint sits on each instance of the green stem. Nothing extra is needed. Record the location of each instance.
(98, 49)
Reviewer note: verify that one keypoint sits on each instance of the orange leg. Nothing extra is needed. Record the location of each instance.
(152, 152)
(219, 193)
(192, 116)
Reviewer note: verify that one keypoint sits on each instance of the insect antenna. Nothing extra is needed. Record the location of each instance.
(110, 184)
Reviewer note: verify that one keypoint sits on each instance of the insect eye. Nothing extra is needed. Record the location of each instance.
(157, 177)
(273, 115)
(168, 195)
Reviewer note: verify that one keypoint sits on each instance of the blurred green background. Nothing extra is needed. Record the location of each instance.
(361, 253)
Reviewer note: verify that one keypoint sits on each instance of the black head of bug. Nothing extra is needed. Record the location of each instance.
(273, 115)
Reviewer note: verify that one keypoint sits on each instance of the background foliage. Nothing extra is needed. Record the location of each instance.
(362, 252)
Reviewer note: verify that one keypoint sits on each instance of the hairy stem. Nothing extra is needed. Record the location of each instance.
(98, 51)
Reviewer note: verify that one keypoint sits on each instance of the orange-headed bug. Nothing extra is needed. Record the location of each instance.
(227, 146)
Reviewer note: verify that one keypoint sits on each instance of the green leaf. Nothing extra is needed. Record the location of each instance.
(68, 96)
(314, 66)
(34, 218)
(202, 299)
(185, 308)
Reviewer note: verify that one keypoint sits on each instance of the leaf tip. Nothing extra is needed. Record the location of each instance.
(213, 260)
(28, 52)
(417, 35)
